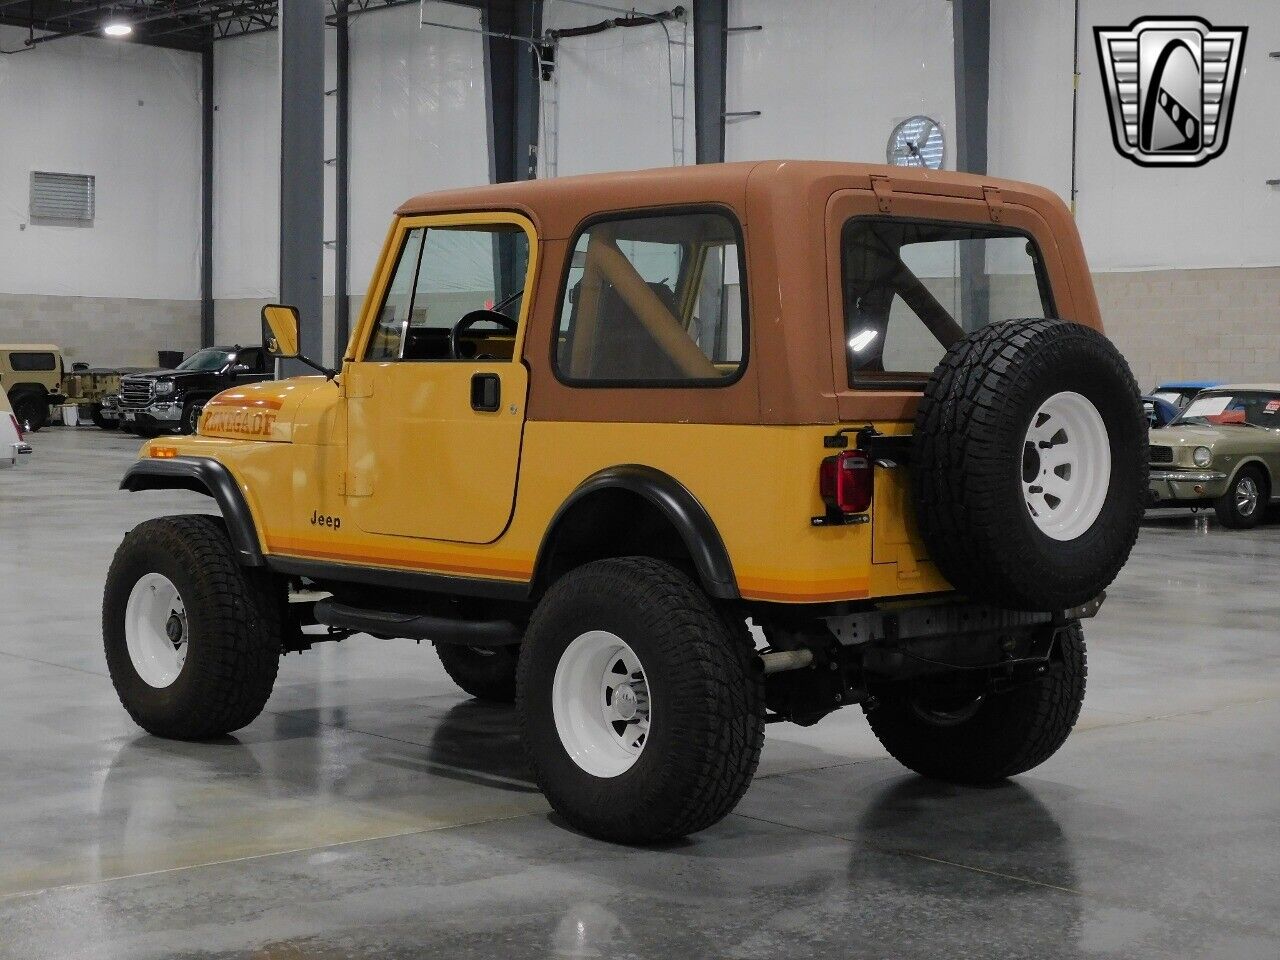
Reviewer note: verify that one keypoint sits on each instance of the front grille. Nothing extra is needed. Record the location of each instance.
(1162, 454)
(136, 393)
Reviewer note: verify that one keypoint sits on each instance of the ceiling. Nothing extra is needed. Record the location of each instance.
(178, 24)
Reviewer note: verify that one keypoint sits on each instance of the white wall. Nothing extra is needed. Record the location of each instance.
(614, 93)
(246, 167)
(1137, 218)
(418, 117)
(832, 79)
(129, 115)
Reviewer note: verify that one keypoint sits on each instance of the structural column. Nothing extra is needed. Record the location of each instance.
(512, 76)
(206, 195)
(971, 33)
(302, 167)
(710, 25)
(342, 180)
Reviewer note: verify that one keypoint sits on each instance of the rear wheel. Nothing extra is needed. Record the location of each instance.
(641, 706)
(951, 728)
(31, 409)
(487, 673)
(1245, 501)
(192, 638)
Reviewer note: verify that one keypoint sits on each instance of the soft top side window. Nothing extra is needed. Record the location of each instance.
(33, 360)
(654, 300)
(911, 288)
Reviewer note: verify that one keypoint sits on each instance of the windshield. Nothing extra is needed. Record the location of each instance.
(211, 358)
(1246, 408)
(1172, 396)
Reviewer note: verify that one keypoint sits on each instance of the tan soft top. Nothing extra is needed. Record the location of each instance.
(557, 205)
(33, 347)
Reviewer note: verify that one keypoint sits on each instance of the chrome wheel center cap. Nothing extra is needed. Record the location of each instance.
(624, 702)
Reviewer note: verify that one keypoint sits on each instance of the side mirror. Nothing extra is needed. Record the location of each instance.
(280, 331)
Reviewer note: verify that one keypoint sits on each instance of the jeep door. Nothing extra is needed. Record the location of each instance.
(436, 396)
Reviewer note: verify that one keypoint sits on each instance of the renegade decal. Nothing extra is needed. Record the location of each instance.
(249, 422)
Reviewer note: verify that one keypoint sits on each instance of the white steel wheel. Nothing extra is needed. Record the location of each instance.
(600, 702)
(155, 630)
(1066, 466)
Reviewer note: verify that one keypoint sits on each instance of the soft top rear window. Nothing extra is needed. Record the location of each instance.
(911, 288)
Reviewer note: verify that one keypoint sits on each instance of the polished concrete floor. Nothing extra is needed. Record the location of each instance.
(373, 811)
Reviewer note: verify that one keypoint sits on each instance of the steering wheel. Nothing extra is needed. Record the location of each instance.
(469, 320)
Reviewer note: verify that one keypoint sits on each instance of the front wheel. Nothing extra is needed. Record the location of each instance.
(951, 729)
(192, 638)
(101, 422)
(191, 416)
(641, 706)
(1242, 506)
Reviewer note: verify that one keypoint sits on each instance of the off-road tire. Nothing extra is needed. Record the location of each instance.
(967, 458)
(1010, 733)
(707, 692)
(487, 673)
(1229, 514)
(31, 409)
(101, 422)
(234, 623)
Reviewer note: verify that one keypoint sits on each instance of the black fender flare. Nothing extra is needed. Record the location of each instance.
(213, 480)
(675, 502)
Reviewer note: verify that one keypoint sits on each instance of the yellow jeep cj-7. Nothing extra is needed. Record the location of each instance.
(664, 457)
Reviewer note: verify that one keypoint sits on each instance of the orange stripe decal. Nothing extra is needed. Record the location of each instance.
(239, 400)
(512, 569)
(804, 591)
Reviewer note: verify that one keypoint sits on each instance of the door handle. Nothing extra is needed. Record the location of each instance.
(486, 392)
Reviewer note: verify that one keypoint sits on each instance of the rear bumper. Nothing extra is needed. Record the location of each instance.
(1184, 486)
(947, 620)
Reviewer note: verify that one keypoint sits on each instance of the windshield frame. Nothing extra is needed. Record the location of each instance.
(1182, 420)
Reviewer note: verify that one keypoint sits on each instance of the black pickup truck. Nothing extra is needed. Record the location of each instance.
(167, 401)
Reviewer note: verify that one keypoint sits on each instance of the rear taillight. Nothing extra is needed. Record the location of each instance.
(16, 425)
(845, 482)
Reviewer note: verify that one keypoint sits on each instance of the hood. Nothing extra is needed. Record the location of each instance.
(258, 411)
(166, 374)
(1187, 435)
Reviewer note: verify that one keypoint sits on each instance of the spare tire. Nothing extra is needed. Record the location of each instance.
(1029, 464)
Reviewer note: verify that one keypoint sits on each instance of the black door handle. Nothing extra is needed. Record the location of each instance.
(486, 392)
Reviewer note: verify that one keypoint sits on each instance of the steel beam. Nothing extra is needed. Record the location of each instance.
(971, 36)
(710, 26)
(206, 196)
(342, 182)
(511, 84)
(971, 32)
(301, 27)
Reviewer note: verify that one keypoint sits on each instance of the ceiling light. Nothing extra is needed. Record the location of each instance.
(117, 29)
